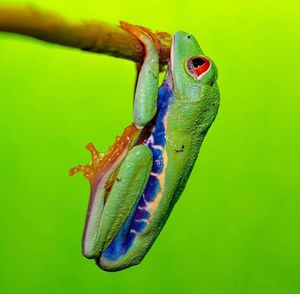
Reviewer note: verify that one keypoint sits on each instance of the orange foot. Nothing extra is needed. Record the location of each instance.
(140, 31)
(102, 161)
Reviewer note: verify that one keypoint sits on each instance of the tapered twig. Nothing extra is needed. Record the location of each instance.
(91, 36)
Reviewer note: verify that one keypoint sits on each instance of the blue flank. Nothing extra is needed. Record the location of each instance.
(135, 222)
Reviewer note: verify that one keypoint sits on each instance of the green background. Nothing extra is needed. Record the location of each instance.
(236, 226)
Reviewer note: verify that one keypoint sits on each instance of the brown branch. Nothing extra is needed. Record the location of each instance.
(91, 36)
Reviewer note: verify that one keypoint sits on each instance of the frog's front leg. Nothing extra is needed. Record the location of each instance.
(147, 83)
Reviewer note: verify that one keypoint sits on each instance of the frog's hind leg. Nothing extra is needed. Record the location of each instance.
(147, 83)
(128, 185)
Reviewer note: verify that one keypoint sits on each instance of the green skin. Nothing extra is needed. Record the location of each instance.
(194, 108)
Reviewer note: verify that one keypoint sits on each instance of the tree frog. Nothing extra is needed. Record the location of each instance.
(135, 185)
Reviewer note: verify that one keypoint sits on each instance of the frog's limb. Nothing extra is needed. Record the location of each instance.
(112, 207)
(127, 189)
(101, 172)
(147, 84)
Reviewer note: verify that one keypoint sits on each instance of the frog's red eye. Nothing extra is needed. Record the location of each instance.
(197, 66)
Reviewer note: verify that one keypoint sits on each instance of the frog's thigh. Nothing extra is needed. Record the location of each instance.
(129, 185)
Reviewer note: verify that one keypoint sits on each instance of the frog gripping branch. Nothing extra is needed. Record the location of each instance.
(136, 184)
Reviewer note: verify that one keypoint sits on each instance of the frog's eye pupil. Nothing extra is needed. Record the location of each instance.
(197, 66)
(198, 61)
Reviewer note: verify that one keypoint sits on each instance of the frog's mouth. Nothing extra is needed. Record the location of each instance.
(172, 53)
(175, 57)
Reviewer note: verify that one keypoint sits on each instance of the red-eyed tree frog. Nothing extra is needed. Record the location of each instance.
(135, 185)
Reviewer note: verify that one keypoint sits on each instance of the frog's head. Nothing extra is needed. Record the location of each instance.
(193, 73)
(194, 76)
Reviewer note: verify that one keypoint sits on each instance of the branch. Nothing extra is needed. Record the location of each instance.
(98, 37)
